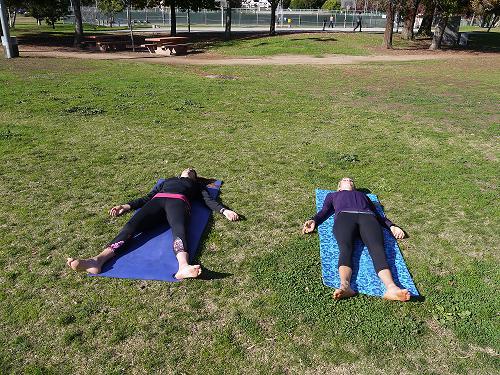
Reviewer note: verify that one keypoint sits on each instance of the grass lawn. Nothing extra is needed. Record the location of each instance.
(477, 28)
(302, 44)
(79, 136)
(242, 44)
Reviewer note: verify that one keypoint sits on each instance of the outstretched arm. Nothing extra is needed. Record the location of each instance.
(138, 203)
(309, 226)
(326, 211)
(119, 210)
(134, 204)
(396, 231)
(214, 205)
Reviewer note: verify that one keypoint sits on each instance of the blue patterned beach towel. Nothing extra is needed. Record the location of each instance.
(364, 278)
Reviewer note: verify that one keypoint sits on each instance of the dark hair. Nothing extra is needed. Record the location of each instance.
(205, 181)
(202, 180)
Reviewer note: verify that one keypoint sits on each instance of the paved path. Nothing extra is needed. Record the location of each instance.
(209, 59)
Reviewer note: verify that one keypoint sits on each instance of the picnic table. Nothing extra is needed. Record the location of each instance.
(106, 43)
(167, 45)
(167, 39)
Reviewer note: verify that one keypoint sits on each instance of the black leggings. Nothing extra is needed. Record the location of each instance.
(155, 212)
(348, 226)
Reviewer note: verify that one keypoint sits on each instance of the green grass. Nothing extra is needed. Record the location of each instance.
(477, 28)
(76, 138)
(482, 40)
(243, 44)
(27, 26)
(316, 44)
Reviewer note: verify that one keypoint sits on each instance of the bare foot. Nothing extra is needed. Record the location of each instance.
(188, 272)
(90, 265)
(343, 292)
(394, 293)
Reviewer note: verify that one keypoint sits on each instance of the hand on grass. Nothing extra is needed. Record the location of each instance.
(309, 226)
(119, 210)
(397, 232)
(230, 215)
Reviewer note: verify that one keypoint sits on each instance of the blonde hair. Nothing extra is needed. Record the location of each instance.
(353, 186)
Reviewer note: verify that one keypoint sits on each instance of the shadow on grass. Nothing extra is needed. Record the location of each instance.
(203, 41)
(206, 273)
(317, 39)
(213, 275)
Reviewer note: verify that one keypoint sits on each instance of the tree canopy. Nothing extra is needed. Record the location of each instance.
(331, 5)
(306, 4)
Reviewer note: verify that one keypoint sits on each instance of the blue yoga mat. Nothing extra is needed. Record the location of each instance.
(149, 255)
(364, 278)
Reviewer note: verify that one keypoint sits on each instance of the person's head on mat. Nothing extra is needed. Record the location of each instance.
(346, 184)
(189, 173)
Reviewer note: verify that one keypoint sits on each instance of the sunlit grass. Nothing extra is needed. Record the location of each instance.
(79, 136)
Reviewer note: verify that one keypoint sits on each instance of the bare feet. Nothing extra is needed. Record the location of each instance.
(90, 265)
(394, 293)
(343, 292)
(188, 272)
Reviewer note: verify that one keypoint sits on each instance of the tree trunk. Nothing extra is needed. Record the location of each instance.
(409, 21)
(77, 8)
(426, 25)
(439, 31)
(173, 20)
(493, 21)
(131, 29)
(272, 25)
(389, 24)
(227, 33)
(12, 17)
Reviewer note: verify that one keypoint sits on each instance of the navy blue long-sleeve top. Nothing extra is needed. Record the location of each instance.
(348, 200)
(179, 185)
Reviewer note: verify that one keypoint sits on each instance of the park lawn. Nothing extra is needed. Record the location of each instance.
(313, 44)
(78, 136)
(242, 44)
(27, 26)
(478, 28)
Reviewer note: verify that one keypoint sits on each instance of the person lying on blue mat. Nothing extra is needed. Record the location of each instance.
(356, 216)
(171, 201)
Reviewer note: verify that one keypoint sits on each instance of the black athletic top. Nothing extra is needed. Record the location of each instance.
(180, 185)
(348, 201)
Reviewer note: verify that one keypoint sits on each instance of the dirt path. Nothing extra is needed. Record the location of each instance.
(210, 59)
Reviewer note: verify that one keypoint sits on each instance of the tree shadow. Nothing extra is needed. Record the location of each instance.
(317, 39)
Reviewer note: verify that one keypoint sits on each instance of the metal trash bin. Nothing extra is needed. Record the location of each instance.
(13, 43)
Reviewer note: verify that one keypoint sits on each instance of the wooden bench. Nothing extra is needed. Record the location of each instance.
(150, 46)
(173, 49)
(111, 45)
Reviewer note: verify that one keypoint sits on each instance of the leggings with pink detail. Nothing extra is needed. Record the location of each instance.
(157, 211)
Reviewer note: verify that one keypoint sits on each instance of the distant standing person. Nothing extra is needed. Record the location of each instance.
(289, 23)
(330, 24)
(358, 21)
(324, 23)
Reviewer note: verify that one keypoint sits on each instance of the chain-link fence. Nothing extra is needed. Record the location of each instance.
(160, 17)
